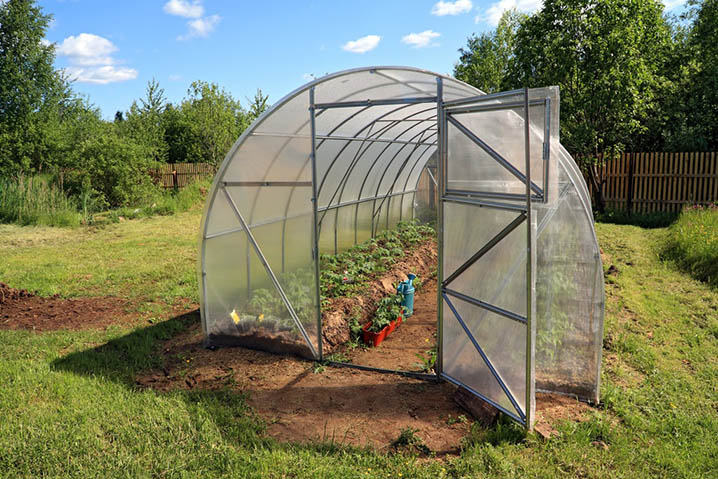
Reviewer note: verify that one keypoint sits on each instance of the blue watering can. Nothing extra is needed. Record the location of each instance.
(407, 291)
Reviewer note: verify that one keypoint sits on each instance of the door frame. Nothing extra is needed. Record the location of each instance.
(445, 109)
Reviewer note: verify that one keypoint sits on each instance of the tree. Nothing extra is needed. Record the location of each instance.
(30, 88)
(485, 63)
(606, 56)
(704, 39)
(143, 122)
(210, 122)
(257, 106)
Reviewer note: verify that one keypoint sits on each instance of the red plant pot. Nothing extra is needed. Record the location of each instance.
(374, 339)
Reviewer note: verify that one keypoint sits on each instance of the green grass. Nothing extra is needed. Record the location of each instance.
(70, 407)
(693, 243)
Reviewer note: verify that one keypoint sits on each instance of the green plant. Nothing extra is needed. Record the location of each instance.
(388, 309)
(427, 362)
(409, 440)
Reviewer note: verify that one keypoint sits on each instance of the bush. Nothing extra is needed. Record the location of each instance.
(693, 242)
(36, 200)
(116, 168)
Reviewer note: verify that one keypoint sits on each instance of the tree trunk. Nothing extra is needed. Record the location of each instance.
(597, 186)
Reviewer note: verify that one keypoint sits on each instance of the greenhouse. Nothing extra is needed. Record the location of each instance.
(348, 157)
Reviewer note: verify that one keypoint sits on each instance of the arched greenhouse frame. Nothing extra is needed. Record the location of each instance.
(520, 299)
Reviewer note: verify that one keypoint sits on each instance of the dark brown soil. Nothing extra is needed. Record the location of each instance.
(301, 403)
(415, 336)
(21, 309)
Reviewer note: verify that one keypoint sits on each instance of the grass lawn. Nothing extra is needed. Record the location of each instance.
(80, 415)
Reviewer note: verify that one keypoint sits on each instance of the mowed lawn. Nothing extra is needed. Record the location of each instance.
(70, 408)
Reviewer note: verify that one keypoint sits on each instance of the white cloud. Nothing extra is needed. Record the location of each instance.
(174, 77)
(492, 15)
(91, 60)
(201, 27)
(183, 8)
(100, 75)
(451, 8)
(363, 44)
(420, 40)
(87, 49)
(308, 77)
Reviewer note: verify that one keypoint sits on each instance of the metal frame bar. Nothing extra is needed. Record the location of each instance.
(266, 183)
(441, 173)
(389, 101)
(492, 107)
(486, 248)
(487, 306)
(493, 154)
(511, 414)
(487, 361)
(372, 140)
(488, 204)
(481, 98)
(530, 259)
(315, 252)
(491, 194)
(546, 148)
(274, 279)
(408, 374)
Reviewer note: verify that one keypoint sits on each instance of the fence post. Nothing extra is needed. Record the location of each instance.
(629, 193)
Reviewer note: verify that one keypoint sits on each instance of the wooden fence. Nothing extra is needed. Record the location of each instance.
(178, 175)
(648, 182)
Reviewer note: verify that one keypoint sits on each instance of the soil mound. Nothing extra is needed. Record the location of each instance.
(22, 309)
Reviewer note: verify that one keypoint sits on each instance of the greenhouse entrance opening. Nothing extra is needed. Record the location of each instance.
(328, 200)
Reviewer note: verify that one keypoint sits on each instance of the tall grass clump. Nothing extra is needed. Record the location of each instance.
(36, 200)
(693, 242)
(168, 202)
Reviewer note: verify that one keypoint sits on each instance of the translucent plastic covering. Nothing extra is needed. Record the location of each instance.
(374, 134)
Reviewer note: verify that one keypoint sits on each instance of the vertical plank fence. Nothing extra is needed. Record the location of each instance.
(646, 182)
(179, 175)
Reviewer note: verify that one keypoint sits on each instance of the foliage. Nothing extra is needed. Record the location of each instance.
(388, 310)
(32, 92)
(606, 57)
(427, 362)
(486, 60)
(693, 242)
(655, 219)
(36, 200)
(347, 273)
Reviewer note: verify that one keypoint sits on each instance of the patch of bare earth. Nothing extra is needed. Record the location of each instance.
(21, 309)
(343, 405)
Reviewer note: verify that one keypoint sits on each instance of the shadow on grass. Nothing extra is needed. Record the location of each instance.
(656, 219)
(125, 358)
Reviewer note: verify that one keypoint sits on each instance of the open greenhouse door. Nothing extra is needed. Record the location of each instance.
(489, 148)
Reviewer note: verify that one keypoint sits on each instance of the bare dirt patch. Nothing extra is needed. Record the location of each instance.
(303, 402)
(21, 309)
(416, 336)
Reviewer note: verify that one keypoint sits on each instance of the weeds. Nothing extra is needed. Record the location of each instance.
(693, 243)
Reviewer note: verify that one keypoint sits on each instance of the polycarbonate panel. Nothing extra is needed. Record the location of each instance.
(504, 344)
(463, 362)
(499, 276)
(569, 299)
(222, 218)
(471, 168)
(271, 158)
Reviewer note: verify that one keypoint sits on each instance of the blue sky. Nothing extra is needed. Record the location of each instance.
(112, 49)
